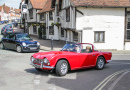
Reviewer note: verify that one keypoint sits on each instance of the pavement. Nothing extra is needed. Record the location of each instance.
(46, 45)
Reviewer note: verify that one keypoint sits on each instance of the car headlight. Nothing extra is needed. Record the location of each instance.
(38, 44)
(24, 44)
(46, 61)
(32, 59)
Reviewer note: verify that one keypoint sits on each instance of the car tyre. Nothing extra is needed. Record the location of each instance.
(100, 63)
(2, 46)
(19, 49)
(61, 68)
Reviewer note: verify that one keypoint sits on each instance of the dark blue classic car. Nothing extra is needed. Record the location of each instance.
(19, 42)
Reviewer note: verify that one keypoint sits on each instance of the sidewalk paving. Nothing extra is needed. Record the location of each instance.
(58, 44)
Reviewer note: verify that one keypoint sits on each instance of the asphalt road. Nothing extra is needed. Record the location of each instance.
(16, 73)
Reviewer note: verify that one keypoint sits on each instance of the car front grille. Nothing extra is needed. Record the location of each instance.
(38, 61)
(32, 45)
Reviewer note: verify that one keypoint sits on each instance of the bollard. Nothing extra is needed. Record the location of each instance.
(52, 44)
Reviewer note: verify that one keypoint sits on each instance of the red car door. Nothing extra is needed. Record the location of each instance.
(87, 59)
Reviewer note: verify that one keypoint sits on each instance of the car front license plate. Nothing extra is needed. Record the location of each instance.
(33, 48)
(36, 66)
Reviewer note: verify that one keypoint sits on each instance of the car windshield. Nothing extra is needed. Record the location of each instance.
(9, 30)
(72, 47)
(23, 37)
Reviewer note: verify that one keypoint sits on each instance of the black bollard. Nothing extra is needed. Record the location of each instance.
(52, 44)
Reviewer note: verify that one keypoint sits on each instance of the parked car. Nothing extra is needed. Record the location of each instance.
(6, 28)
(0, 22)
(71, 57)
(20, 42)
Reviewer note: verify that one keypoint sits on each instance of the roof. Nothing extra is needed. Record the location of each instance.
(38, 4)
(47, 7)
(0, 8)
(101, 3)
(6, 8)
(17, 11)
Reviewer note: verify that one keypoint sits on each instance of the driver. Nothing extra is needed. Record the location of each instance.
(77, 49)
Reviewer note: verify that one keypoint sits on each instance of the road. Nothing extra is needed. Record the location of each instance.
(16, 73)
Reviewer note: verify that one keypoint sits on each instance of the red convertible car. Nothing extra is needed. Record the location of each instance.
(71, 57)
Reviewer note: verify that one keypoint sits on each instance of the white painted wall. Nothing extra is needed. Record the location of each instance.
(110, 20)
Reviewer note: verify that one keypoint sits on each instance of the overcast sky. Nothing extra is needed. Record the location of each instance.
(11, 3)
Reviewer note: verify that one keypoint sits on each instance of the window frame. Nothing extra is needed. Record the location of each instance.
(68, 14)
(50, 16)
(62, 32)
(51, 32)
(42, 17)
(99, 33)
(34, 29)
(31, 13)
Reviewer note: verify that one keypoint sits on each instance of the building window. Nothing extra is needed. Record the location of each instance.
(75, 36)
(68, 15)
(128, 26)
(99, 36)
(51, 30)
(34, 29)
(62, 32)
(42, 16)
(31, 13)
(50, 16)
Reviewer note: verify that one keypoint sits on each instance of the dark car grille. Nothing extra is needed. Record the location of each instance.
(32, 45)
(38, 61)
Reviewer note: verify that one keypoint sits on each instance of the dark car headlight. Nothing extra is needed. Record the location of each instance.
(46, 61)
(32, 59)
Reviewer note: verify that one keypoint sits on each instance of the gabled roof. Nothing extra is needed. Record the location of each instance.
(17, 11)
(38, 4)
(100, 3)
(47, 7)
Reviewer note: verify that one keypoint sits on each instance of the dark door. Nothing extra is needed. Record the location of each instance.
(12, 41)
(6, 41)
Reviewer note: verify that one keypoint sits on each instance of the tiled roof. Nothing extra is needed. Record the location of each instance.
(0, 8)
(47, 7)
(101, 3)
(38, 4)
(6, 8)
(17, 11)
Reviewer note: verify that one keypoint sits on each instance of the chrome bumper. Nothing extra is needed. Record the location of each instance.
(40, 66)
(109, 61)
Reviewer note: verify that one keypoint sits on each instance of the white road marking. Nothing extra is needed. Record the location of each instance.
(107, 79)
(67, 76)
(117, 80)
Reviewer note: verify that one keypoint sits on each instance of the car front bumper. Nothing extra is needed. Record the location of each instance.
(28, 49)
(41, 66)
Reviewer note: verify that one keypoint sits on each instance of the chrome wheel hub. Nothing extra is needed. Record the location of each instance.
(100, 63)
(63, 68)
(18, 49)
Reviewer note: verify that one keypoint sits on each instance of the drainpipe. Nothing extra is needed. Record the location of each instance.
(125, 27)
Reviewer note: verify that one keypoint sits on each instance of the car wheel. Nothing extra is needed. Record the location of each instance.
(2, 46)
(38, 69)
(62, 67)
(19, 49)
(100, 63)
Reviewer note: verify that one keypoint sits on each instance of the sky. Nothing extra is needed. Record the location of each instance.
(11, 3)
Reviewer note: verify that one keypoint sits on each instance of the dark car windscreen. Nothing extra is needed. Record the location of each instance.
(9, 30)
(23, 37)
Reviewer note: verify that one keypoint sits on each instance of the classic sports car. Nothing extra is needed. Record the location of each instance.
(20, 42)
(71, 57)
